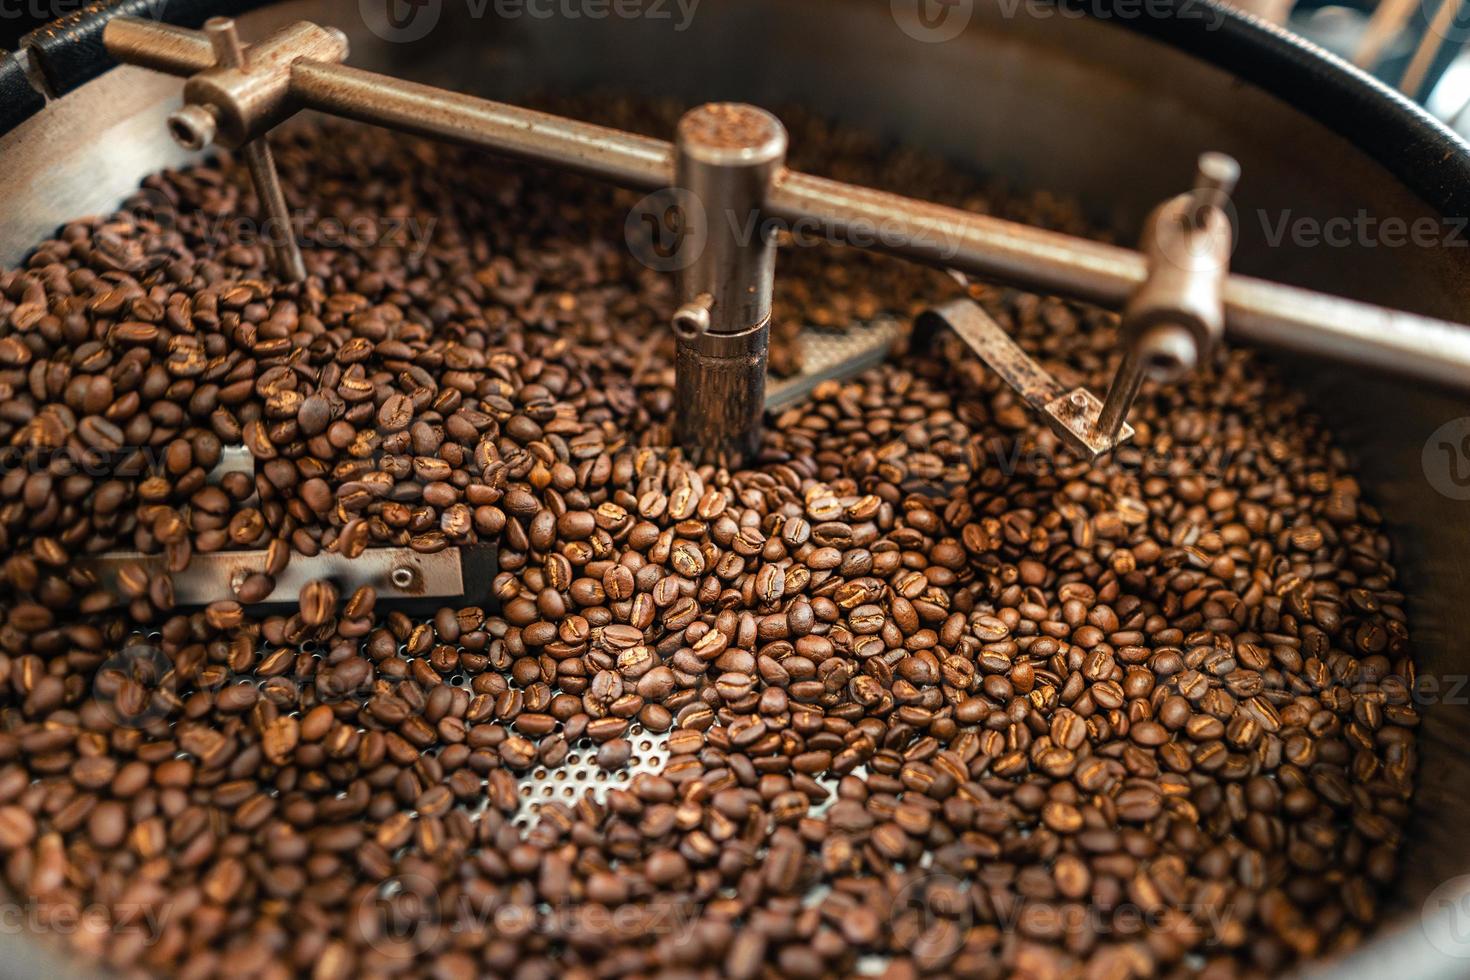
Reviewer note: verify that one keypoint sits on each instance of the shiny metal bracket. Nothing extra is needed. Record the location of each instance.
(730, 162)
(399, 575)
(1071, 414)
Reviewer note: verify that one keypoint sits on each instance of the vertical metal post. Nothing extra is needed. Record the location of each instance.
(284, 253)
(725, 157)
(1163, 352)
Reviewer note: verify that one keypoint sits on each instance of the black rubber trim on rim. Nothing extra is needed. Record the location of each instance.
(1411, 144)
(18, 100)
(69, 50)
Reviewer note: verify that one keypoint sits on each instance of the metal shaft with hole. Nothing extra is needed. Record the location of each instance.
(1255, 311)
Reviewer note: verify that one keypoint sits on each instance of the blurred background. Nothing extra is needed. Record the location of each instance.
(1415, 46)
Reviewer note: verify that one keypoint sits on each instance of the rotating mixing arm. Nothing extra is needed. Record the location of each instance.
(1170, 325)
(738, 163)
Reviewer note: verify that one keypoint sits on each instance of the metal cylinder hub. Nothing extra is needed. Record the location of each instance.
(726, 156)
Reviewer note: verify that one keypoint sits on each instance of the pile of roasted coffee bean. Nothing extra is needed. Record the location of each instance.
(939, 699)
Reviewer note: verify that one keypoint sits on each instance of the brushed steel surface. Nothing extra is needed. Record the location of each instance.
(395, 573)
(725, 157)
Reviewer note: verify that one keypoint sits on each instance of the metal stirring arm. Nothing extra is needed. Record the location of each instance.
(1072, 415)
(299, 67)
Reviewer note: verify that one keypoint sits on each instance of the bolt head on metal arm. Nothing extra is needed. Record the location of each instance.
(1177, 317)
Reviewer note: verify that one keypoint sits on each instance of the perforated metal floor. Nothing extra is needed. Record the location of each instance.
(580, 773)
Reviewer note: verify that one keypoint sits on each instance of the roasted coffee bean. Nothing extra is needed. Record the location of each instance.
(17, 828)
(614, 754)
(318, 602)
